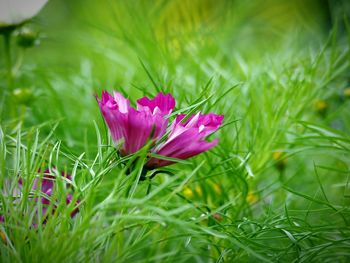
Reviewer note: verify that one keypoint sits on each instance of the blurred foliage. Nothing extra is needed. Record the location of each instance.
(276, 187)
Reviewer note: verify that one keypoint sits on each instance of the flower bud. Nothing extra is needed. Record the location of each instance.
(280, 161)
(218, 217)
(321, 107)
(27, 37)
(23, 96)
(251, 198)
(347, 93)
(187, 192)
(3, 237)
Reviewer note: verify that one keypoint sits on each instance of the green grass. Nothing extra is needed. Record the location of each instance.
(275, 189)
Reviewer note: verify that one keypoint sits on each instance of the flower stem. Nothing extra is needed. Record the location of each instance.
(149, 187)
(7, 49)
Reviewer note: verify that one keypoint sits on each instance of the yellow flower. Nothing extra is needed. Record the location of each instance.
(321, 106)
(347, 92)
(277, 155)
(251, 198)
(3, 237)
(217, 188)
(188, 193)
(199, 190)
(281, 161)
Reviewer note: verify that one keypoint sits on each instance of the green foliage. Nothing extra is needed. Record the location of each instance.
(277, 186)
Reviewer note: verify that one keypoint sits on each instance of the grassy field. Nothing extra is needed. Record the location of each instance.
(275, 189)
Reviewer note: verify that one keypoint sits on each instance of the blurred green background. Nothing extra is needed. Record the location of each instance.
(278, 71)
(87, 46)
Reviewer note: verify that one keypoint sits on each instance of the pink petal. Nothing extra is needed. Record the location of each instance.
(161, 103)
(123, 103)
(187, 138)
(115, 114)
(189, 143)
(68, 201)
(140, 126)
(47, 182)
(134, 127)
(206, 123)
(139, 129)
(46, 190)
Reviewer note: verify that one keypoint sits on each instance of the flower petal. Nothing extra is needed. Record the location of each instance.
(133, 126)
(123, 103)
(189, 143)
(68, 201)
(114, 110)
(139, 129)
(161, 103)
(187, 138)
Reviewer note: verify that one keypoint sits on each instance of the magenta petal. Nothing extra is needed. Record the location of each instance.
(47, 184)
(47, 181)
(141, 124)
(134, 127)
(207, 123)
(117, 123)
(45, 197)
(164, 103)
(68, 201)
(182, 145)
(187, 138)
(160, 124)
(139, 129)
(123, 103)
(114, 110)
(189, 143)
(198, 119)
(107, 101)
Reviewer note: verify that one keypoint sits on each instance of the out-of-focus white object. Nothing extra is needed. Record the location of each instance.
(13, 12)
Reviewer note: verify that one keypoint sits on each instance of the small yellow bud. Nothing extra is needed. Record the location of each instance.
(277, 155)
(280, 160)
(188, 193)
(26, 37)
(23, 95)
(217, 188)
(199, 190)
(321, 106)
(347, 93)
(3, 237)
(252, 198)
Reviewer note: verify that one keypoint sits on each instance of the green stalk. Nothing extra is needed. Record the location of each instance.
(7, 49)
(7, 32)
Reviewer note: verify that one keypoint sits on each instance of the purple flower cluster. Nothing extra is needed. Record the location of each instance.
(46, 188)
(132, 128)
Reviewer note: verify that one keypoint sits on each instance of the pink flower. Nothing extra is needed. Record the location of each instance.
(47, 188)
(45, 192)
(187, 138)
(133, 127)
